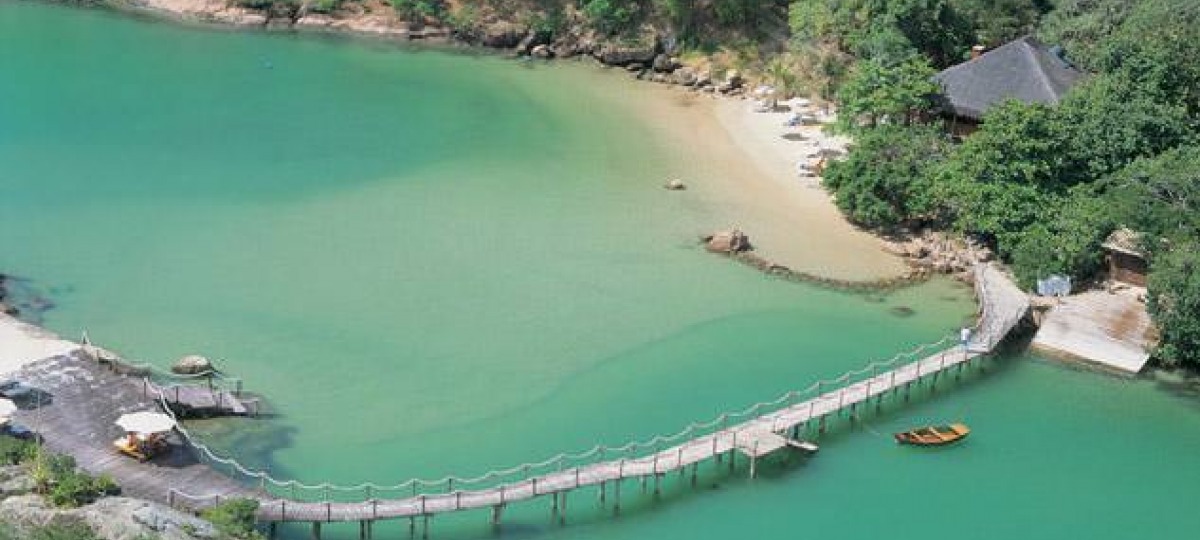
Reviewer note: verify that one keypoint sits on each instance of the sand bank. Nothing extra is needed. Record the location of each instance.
(738, 163)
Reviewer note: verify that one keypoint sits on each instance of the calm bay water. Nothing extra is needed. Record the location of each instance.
(436, 263)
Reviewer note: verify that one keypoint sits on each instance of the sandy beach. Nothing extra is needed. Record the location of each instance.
(738, 163)
(22, 344)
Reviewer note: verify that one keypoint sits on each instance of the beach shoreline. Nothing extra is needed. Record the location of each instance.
(736, 162)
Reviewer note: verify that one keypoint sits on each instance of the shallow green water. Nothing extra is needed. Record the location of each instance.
(436, 263)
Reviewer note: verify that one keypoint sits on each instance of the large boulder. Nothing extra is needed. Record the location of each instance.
(502, 35)
(733, 82)
(732, 241)
(685, 76)
(643, 50)
(192, 365)
(664, 63)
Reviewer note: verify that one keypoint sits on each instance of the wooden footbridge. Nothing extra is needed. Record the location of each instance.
(758, 431)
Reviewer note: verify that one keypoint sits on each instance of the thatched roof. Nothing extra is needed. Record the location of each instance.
(1125, 241)
(1025, 70)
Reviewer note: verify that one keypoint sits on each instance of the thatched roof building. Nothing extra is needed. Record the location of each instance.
(1025, 69)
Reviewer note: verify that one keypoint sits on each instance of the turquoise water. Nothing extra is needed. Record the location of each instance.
(435, 263)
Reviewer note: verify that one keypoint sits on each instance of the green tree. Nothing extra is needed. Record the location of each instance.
(934, 27)
(1081, 26)
(612, 16)
(415, 9)
(1159, 196)
(1155, 50)
(1174, 302)
(885, 180)
(1006, 176)
(1066, 239)
(234, 518)
(996, 22)
(876, 92)
(1110, 121)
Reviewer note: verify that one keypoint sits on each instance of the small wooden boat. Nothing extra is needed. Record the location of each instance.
(933, 435)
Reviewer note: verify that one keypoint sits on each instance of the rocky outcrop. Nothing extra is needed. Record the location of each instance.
(940, 252)
(731, 241)
(110, 518)
(502, 34)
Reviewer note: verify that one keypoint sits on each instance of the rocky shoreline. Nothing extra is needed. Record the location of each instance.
(927, 253)
(25, 513)
(649, 55)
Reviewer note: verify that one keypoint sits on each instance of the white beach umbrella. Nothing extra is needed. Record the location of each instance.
(146, 422)
(7, 407)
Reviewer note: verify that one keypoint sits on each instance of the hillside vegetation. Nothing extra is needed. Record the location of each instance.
(1043, 185)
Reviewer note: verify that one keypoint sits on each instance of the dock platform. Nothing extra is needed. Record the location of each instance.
(1111, 330)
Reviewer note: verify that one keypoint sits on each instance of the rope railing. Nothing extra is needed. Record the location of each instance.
(596, 455)
(600, 455)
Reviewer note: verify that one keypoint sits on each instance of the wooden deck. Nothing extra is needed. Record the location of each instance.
(87, 400)
(200, 400)
(74, 408)
(1098, 327)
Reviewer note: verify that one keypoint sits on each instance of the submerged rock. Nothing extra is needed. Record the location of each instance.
(675, 184)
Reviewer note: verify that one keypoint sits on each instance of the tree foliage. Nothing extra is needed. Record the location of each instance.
(884, 181)
(881, 93)
(1174, 301)
(234, 518)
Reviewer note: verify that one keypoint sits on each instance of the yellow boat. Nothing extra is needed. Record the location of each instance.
(933, 435)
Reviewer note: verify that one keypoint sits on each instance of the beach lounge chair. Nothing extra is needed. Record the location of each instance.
(139, 447)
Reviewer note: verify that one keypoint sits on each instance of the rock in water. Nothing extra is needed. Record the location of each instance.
(675, 185)
(733, 241)
(192, 365)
